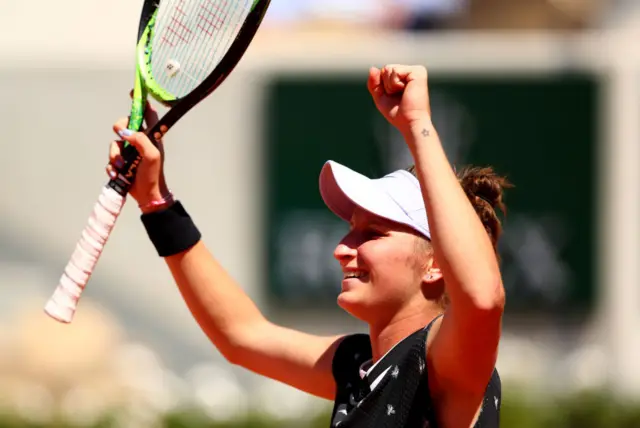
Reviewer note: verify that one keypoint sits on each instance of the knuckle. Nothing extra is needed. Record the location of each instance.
(153, 156)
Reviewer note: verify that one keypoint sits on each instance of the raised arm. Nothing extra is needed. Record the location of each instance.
(223, 310)
(466, 346)
(464, 350)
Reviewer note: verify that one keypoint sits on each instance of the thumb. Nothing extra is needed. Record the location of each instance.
(141, 142)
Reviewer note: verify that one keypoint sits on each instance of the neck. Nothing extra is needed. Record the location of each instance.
(386, 336)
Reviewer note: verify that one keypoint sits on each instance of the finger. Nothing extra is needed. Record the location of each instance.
(115, 154)
(141, 142)
(374, 83)
(409, 72)
(120, 124)
(150, 115)
(374, 78)
(114, 151)
(396, 82)
(111, 172)
(390, 86)
(386, 72)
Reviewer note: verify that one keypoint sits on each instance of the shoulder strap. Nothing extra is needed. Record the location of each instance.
(428, 327)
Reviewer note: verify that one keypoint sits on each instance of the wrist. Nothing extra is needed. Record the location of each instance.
(417, 127)
(171, 231)
(157, 203)
(418, 132)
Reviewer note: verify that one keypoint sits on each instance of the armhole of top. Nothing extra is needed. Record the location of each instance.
(345, 353)
(495, 384)
(424, 340)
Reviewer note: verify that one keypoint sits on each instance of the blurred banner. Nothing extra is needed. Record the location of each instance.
(540, 131)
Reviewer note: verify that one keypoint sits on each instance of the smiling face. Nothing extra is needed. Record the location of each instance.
(383, 269)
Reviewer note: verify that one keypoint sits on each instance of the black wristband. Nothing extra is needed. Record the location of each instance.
(171, 230)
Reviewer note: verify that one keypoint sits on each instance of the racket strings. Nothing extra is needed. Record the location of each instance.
(191, 37)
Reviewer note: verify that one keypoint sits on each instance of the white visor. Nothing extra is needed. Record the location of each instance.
(396, 196)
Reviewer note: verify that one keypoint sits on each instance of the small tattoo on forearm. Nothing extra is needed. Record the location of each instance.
(425, 132)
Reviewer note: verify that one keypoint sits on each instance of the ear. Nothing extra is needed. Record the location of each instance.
(432, 275)
(432, 284)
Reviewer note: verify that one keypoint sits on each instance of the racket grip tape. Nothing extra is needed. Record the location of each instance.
(62, 305)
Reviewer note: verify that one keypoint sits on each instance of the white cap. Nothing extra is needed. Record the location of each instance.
(396, 196)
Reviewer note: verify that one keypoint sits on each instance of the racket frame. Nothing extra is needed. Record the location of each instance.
(62, 305)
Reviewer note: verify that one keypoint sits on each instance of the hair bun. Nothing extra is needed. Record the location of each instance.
(484, 184)
(484, 188)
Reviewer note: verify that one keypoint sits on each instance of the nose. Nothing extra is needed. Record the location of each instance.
(344, 252)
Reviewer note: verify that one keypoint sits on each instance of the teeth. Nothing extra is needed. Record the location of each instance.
(353, 275)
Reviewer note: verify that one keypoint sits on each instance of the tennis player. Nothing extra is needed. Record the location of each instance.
(420, 268)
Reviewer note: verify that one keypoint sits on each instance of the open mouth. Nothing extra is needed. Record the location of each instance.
(354, 274)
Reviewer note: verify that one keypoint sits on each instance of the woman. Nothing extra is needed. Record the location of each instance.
(420, 268)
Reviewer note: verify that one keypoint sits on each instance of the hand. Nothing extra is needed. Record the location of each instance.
(149, 185)
(401, 94)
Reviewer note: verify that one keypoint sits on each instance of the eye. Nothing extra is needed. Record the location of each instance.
(374, 233)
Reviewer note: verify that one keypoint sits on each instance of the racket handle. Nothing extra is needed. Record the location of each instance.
(61, 306)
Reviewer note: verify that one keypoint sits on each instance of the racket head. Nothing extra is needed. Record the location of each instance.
(222, 45)
(188, 47)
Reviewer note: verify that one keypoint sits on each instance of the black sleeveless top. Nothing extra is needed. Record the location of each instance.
(394, 393)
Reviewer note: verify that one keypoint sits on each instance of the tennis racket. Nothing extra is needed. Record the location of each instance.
(185, 50)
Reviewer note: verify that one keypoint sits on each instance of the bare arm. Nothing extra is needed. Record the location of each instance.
(464, 351)
(238, 329)
(463, 347)
(224, 312)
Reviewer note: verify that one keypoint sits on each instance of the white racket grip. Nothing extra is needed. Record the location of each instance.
(63, 303)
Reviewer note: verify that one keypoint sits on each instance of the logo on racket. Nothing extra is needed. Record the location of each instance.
(172, 67)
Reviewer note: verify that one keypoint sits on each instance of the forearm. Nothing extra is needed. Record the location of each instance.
(461, 245)
(221, 308)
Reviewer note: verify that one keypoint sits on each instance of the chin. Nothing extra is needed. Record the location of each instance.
(354, 306)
